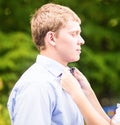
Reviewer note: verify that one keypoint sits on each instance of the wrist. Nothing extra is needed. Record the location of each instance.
(89, 92)
(77, 94)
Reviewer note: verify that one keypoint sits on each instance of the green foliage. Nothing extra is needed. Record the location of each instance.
(17, 53)
(105, 39)
(102, 73)
(15, 15)
(4, 117)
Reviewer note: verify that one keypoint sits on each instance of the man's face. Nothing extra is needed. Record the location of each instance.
(68, 42)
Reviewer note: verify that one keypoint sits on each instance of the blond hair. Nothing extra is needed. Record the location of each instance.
(50, 17)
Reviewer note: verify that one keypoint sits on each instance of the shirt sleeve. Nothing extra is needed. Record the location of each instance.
(34, 106)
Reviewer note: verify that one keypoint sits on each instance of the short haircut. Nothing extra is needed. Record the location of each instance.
(50, 17)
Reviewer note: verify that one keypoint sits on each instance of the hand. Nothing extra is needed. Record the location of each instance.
(85, 85)
(69, 82)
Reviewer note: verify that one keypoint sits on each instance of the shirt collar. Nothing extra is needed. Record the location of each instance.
(51, 65)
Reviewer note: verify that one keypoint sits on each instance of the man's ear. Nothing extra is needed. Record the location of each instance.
(50, 38)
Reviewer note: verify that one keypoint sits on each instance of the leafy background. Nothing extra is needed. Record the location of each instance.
(100, 58)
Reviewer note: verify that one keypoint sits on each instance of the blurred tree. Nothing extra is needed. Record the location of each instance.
(100, 28)
(16, 54)
(15, 15)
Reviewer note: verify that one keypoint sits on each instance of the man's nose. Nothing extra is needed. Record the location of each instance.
(81, 41)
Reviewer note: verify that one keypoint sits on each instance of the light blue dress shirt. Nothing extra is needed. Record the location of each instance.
(38, 99)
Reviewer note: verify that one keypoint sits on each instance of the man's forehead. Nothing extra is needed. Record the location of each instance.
(73, 26)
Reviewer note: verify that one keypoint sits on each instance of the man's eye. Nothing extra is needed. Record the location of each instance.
(73, 34)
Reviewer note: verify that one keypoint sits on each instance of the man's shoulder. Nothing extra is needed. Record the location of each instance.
(35, 71)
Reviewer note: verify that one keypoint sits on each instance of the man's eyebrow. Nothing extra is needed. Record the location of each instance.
(76, 31)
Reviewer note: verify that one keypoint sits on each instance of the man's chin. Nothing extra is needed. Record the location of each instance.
(76, 59)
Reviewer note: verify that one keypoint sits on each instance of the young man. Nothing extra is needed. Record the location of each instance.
(37, 98)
